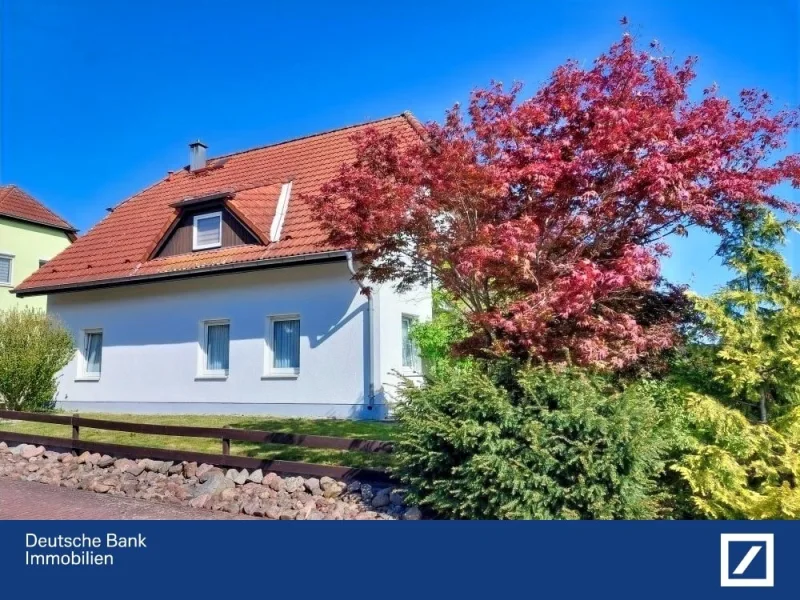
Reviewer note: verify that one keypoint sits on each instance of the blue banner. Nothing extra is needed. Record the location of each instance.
(437, 559)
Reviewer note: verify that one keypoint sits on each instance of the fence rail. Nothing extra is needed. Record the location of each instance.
(224, 434)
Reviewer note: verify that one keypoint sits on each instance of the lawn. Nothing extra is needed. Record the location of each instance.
(354, 429)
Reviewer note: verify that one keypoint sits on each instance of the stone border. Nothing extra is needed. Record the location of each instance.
(207, 487)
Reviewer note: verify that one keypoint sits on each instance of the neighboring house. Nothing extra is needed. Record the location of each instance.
(216, 290)
(30, 235)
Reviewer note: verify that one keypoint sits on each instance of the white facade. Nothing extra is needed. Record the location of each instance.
(152, 344)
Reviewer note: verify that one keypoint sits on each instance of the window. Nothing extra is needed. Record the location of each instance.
(283, 346)
(91, 354)
(215, 345)
(5, 269)
(207, 231)
(411, 358)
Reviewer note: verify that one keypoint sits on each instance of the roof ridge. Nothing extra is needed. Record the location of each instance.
(312, 135)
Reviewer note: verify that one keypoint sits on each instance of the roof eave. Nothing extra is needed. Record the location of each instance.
(69, 229)
(267, 263)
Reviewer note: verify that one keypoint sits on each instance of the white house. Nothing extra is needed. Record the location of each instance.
(216, 291)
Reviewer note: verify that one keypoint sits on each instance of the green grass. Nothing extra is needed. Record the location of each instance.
(353, 429)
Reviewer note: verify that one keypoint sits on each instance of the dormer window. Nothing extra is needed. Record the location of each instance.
(207, 231)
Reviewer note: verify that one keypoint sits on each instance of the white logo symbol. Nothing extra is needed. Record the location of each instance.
(731, 578)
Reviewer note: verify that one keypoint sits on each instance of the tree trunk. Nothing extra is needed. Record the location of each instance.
(762, 405)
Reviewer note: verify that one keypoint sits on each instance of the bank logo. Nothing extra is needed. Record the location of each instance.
(747, 559)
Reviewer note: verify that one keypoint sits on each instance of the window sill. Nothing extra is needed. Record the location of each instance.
(201, 248)
(210, 377)
(411, 374)
(267, 376)
(88, 378)
(8, 285)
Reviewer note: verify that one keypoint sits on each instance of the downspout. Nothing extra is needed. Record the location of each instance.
(370, 331)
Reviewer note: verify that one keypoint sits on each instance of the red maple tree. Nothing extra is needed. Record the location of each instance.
(546, 217)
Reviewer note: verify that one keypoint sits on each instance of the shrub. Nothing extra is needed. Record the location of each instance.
(34, 347)
(531, 443)
(438, 338)
(737, 469)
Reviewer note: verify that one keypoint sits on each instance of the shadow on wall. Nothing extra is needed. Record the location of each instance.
(171, 314)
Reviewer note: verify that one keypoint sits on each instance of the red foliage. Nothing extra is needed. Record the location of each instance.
(545, 217)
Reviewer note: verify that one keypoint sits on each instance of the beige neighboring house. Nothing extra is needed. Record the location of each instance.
(30, 235)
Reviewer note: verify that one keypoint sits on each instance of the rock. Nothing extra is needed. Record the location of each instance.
(81, 460)
(206, 475)
(3, 446)
(229, 494)
(213, 485)
(253, 508)
(33, 468)
(152, 466)
(93, 458)
(332, 490)
(32, 451)
(202, 470)
(326, 481)
(292, 484)
(353, 487)
(312, 485)
(256, 476)
(366, 492)
(122, 464)
(276, 483)
(134, 469)
(241, 478)
(176, 469)
(105, 461)
(165, 466)
(412, 514)
(200, 501)
(17, 450)
(397, 497)
(381, 499)
(232, 474)
(189, 469)
(50, 455)
(288, 515)
(272, 511)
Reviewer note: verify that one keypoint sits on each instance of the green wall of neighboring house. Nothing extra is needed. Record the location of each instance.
(28, 243)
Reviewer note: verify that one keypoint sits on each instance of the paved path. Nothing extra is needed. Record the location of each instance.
(29, 500)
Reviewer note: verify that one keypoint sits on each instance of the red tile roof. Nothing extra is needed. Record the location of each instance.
(118, 249)
(18, 204)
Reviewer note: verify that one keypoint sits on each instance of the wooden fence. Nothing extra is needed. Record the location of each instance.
(224, 434)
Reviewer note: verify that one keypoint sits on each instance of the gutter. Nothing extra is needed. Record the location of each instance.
(372, 350)
(203, 271)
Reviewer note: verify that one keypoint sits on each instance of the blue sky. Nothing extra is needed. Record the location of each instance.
(99, 99)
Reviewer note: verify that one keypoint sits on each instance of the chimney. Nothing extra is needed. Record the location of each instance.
(197, 155)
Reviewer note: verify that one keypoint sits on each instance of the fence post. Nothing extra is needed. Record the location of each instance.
(76, 431)
(226, 444)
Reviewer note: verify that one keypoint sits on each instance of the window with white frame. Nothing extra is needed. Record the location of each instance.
(91, 354)
(6, 262)
(283, 345)
(215, 348)
(411, 358)
(207, 231)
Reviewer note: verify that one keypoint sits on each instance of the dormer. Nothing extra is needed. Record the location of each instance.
(206, 223)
